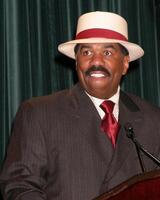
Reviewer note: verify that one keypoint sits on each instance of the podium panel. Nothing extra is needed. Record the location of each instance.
(144, 186)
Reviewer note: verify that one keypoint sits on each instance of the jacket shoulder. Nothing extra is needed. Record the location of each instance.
(139, 102)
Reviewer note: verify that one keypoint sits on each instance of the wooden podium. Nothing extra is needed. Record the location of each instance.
(145, 186)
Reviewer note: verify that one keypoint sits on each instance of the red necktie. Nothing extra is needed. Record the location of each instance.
(109, 124)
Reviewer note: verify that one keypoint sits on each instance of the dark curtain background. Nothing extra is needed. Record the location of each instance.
(30, 64)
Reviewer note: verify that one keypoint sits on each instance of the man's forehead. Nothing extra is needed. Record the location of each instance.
(104, 45)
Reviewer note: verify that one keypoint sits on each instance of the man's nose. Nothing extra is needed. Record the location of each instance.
(97, 59)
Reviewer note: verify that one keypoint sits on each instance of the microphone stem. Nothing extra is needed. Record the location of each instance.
(140, 159)
(154, 159)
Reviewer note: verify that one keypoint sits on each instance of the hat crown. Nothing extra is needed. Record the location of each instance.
(102, 20)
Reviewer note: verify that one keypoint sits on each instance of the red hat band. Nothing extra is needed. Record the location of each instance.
(100, 33)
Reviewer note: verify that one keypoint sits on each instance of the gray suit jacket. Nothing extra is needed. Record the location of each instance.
(58, 152)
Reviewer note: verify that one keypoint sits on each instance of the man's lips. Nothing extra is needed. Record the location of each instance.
(98, 72)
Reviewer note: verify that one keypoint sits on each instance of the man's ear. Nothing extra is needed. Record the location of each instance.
(125, 65)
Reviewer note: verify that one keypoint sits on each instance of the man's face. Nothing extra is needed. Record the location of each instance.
(100, 68)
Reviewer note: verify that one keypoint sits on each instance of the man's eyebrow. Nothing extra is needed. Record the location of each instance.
(109, 46)
(84, 46)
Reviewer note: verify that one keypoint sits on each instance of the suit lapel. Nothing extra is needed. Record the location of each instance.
(89, 124)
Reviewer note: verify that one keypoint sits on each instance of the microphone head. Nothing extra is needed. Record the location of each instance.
(129, 130)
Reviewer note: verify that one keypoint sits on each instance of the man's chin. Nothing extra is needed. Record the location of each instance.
(96, 92)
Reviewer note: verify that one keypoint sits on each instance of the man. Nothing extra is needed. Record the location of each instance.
(61, 147)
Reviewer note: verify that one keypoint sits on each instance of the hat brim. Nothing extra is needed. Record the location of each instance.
(67, 48)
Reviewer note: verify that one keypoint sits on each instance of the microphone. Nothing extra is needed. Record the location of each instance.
(130, 134)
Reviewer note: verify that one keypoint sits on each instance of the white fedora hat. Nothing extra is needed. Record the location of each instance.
(101, 27)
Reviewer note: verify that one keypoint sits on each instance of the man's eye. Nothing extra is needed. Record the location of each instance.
(107, 53)
(86, 53)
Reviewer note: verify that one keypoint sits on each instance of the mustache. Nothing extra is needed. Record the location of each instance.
(97, 68)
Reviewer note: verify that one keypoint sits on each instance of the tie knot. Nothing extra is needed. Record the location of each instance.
(107, 106)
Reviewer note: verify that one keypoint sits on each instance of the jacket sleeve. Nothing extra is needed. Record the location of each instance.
(23, 175)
